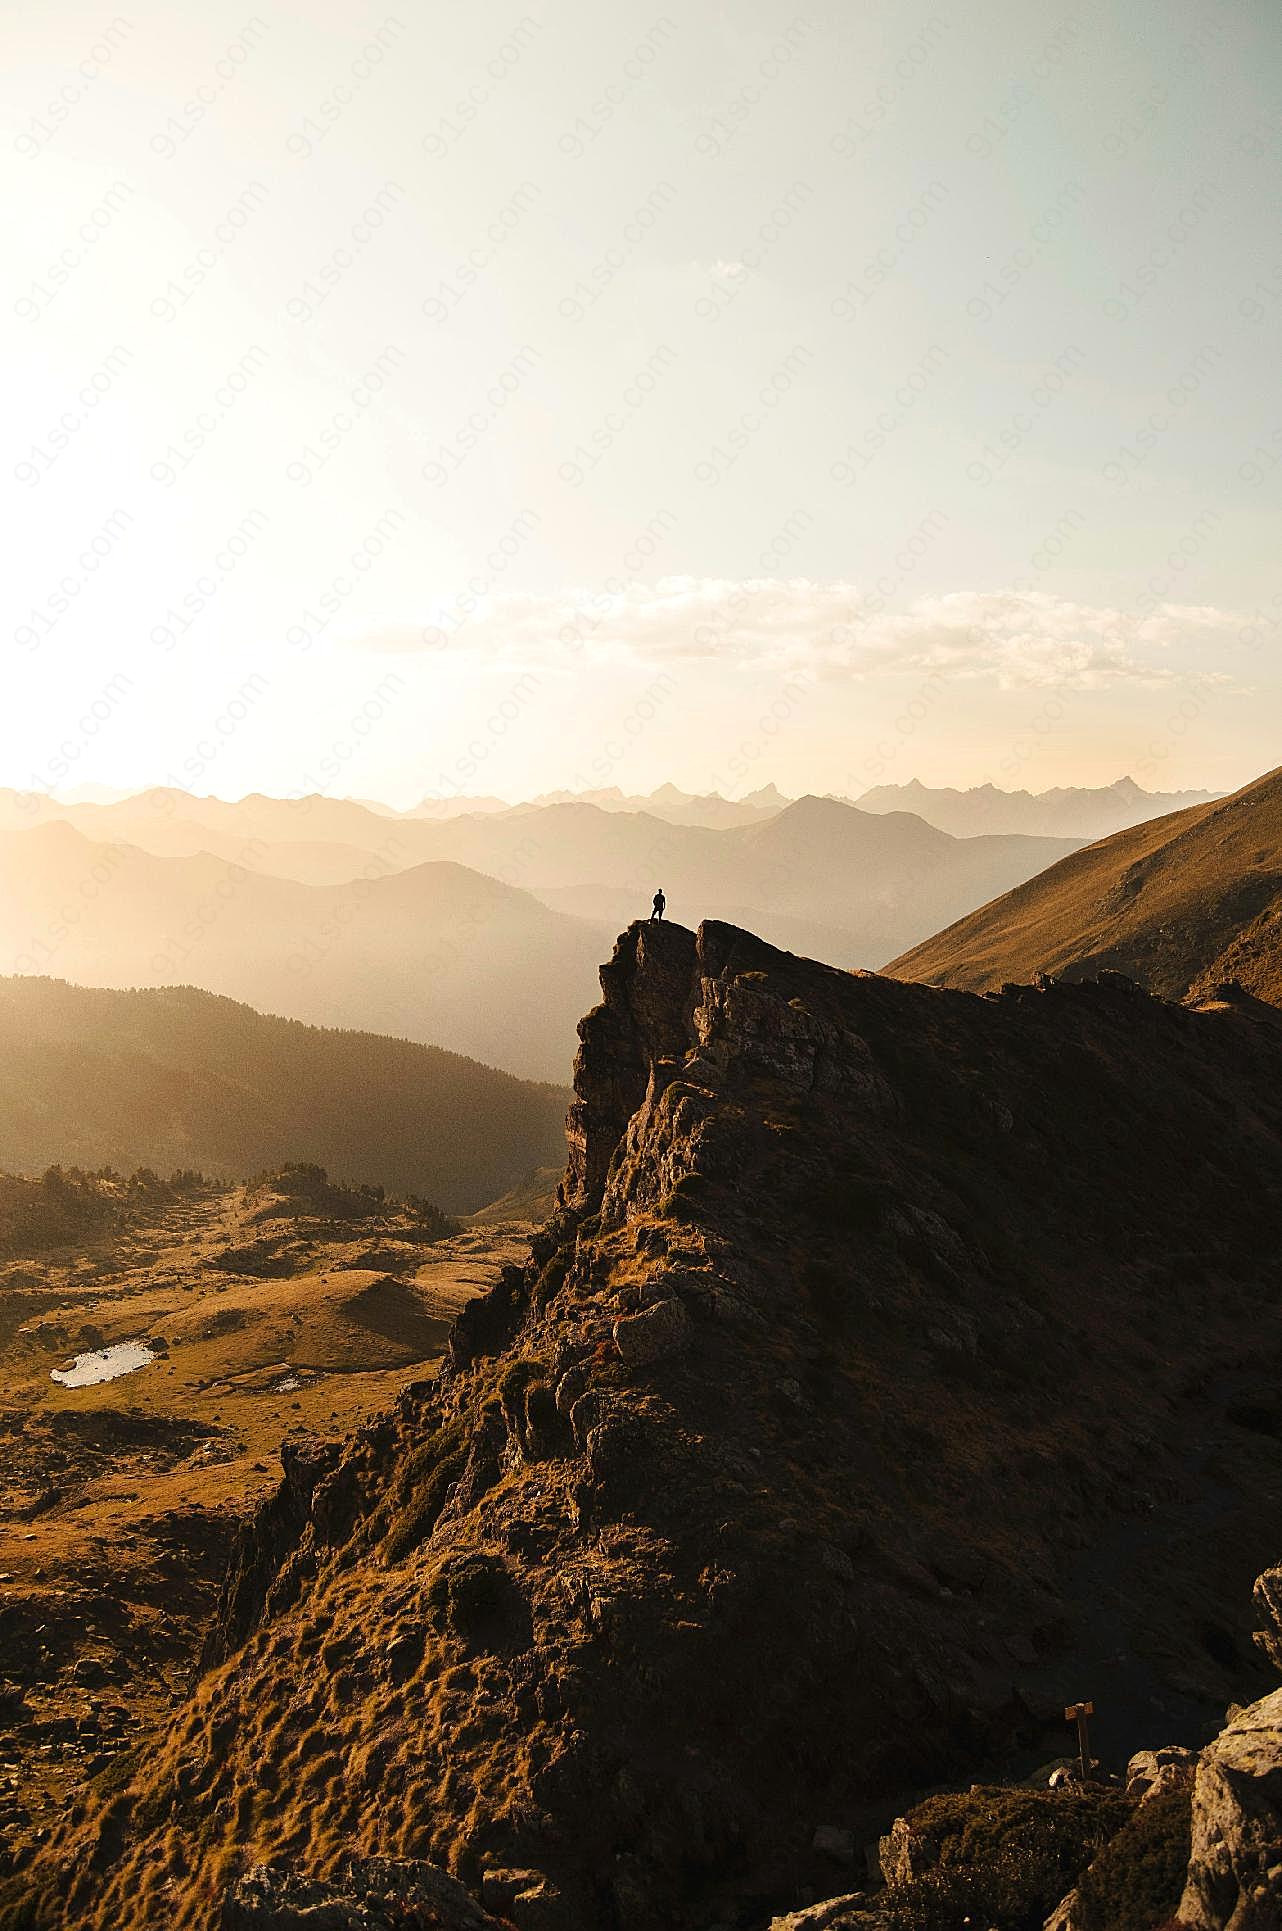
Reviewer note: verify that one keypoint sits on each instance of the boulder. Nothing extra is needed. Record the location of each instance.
(1268, 1603)
(1235, 1869)
(1150, 1772)
(656, 1331)
(852, 1913)
(526, 1897)
(370, 1894)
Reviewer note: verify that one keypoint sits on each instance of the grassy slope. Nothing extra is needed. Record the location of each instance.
(1178, 903)
(119, 1502)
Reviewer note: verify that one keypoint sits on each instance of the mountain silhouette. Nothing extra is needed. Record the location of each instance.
(424, 954)
(323, 910)
(1072, 811)
(180, 1078)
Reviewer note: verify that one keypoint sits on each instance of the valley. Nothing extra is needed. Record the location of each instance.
(324, 911)
(884, 1365)
(172, 1077)
(641, 969)
(274, 1316)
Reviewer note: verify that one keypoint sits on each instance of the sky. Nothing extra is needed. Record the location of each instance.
(475, 400)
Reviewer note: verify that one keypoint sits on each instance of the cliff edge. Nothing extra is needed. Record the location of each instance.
(890, 1372)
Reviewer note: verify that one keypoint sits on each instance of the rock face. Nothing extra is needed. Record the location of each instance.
(371, 1894)
(1268, 1603)
(1235, 1869)
(1151, 1772)
(852, 1913)
(640, 1030)
(838, 1428)
(1233, 1879)
(657, 1330)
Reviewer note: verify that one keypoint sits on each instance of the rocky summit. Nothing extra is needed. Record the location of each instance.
(898, 1365)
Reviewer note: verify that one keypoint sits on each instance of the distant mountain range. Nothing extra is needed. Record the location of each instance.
(180, 1078)
(479, 933)
(668, 802)
(818, 876)
(340, 913)
(429, 954)
(1071, 812)
(1180, 904)
(678, 807)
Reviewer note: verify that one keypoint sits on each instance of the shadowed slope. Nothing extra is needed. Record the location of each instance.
(173, 1077)
(874, 1386)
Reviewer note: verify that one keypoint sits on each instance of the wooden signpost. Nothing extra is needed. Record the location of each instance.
(1080, 1712)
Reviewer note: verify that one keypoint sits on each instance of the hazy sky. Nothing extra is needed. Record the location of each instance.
(470, 398)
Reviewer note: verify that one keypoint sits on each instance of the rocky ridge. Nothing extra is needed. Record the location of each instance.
(896, 1364)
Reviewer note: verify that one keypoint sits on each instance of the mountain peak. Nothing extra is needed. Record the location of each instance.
(813, 1249)
(1072, 811)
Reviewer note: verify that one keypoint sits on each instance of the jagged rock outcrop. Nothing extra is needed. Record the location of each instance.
(1227, 1801)
(1268, 1604)
(958, 1299)
(850, 1913)
(370, 1894)
(1235, 1866)
(1151, 1773)
(305, 1462)
(639, 1032)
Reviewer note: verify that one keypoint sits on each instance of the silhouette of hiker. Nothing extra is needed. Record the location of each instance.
(659, 903)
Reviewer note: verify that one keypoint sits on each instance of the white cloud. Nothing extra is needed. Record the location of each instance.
(1015, 638)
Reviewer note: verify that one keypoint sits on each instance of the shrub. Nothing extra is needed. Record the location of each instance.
(515, 1379)
(432, 1222)
(1137, 1880)
(995, 1897)
(429, 1475)
(1002, 1857)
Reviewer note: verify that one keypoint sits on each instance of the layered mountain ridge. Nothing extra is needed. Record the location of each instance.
(172, 1077)
(419, 953)
(1183, 904)
(319, 910)
(838, 1429)
(1066, 811)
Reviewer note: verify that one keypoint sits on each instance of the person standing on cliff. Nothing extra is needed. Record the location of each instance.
(659, 903)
